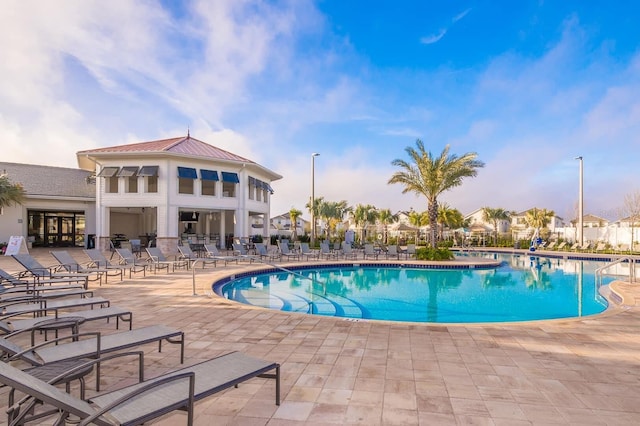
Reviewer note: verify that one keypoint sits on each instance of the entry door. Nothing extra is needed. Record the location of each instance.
(59, 231)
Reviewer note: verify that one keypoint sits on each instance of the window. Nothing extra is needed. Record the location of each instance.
(110, 179)
(229, 181)
(209, 179)
(131, 178)
(111, 185)
(186, 177)
(150, 175)
(252, 187)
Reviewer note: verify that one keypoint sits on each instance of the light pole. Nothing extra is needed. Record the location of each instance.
(580, 239)
(313, 199)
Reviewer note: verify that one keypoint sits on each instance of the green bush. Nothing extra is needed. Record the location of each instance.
(429, 253)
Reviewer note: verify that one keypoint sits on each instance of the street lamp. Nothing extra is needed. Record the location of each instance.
(580, 238)
(313, 199)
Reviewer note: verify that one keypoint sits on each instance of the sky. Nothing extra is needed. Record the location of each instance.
(527, 85)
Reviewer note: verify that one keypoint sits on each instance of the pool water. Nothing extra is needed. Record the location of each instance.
(523, 288)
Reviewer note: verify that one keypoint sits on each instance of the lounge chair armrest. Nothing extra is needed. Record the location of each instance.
(101, 359)
(54, 341)
(4, 317)
(147, 388)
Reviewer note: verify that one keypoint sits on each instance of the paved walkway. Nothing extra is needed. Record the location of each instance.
(335, 371)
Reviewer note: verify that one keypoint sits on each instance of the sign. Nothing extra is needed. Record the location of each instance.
(16, 245)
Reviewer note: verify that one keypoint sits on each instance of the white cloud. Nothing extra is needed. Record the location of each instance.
(433, 38)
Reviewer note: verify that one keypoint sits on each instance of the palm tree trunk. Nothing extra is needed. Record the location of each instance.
(433, 221)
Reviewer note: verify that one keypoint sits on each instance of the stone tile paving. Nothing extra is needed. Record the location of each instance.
(334, 371)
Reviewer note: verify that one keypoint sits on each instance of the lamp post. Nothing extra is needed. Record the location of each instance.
(580, 237)
(313, 199)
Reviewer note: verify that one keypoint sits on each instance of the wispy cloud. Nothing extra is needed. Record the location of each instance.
(433, 38)
(460, 15)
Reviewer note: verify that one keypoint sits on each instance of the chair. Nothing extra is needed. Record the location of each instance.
(128, 260)
(574, 247)
(550, 246)
(600, 247)
(369, 252)
(186, 254)
(241, 252)
(144, 401)
(159, 260)
(392, 251)
(29, 304)
(54, 350)
(411, 251)
(24, 294)
(136, 247)
(284, 251)
(36, 269)
(265, 254)
(22, 285)
(325, 251)
(12, 323)
(306, 251)
(561, 246)
(67, 262)
(347, 251)
(213, 253)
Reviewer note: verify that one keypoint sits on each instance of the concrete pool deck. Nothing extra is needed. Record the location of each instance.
(336, 371)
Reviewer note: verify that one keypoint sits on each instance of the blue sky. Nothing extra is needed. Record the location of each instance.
(528, 85)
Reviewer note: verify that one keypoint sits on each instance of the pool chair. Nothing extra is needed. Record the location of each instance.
(325, 251)
(266, 254)
(69, 264)
(24, 294)
(550, 246)
(214, 253)
(10, 283)
(308, 253)
(129, 261)
(392, 252)
(561, 246)
(160, 261)
(140, 402)
(285, 253)
(243, 254)
(369, 252)
(21, 305)
(88, 344)
(411, 251)
(36, 269)
(186, 254)
(16, 322)
(348, 252)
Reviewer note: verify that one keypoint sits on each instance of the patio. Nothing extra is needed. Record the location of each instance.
(335, 371)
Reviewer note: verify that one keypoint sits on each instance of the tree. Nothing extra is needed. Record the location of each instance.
(418, 220)
(495, 216)
(333, 212)
(294, 214)
(315, 213)
(449, 218)
(10, 193)
(362, 216)
(632, 209)
(430, 176)
(539, 218)
(385, 217)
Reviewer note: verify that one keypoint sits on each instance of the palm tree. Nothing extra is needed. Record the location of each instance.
(333, 212)
(495, 216)
(294, 214)
(362, 216)
(315, 213)
(449, 218)
(385, 217)
(430, 176)
(418, 220)
(10, 193)
(539, 218)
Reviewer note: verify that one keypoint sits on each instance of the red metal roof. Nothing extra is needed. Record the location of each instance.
(182, 145)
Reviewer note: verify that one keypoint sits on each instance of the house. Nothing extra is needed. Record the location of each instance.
(476, 217)
(160, 191)
(173, 189)
(59, 206)
(282, 222)
(521, 230)
(591, 221)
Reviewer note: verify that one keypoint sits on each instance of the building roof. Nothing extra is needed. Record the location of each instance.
(47, 181)
(185, 145)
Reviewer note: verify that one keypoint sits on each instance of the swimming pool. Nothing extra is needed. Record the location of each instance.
(523, 288)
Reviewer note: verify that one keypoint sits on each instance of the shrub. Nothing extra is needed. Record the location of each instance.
(429, 253)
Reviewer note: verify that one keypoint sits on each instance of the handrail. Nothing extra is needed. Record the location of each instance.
(599, 272)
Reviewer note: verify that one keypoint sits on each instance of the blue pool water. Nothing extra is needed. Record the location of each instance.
(523, 288)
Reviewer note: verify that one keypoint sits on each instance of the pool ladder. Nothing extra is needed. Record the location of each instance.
(632, 269)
